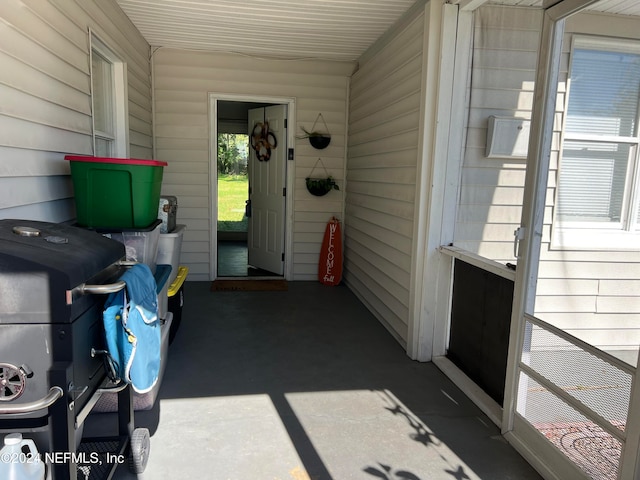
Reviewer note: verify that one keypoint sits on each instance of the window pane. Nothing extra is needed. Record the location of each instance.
(104, 147)
(592, 180)
(604, 92)
(102, 83)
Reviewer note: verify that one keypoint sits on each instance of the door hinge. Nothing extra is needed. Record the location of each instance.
(284, 191)
(290, 154)
(286, 123)
(283, 256)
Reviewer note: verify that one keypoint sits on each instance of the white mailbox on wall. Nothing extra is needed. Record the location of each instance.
(507, 137)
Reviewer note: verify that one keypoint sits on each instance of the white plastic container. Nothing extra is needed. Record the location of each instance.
(140, 245)
(169, 247)
(16, 464)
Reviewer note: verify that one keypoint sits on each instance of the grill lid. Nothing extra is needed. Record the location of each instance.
(40, 261)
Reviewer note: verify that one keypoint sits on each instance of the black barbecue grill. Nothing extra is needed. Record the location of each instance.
(53, 281)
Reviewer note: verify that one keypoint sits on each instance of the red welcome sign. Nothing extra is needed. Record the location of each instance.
(330, 266)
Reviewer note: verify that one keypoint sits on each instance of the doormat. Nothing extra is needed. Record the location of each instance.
(590, 447)
(249, 285)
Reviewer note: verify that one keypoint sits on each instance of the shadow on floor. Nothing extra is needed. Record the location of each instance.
(307, 385)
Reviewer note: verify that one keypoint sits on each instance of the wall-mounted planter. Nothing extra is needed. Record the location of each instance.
(318, 139)
(321, 186)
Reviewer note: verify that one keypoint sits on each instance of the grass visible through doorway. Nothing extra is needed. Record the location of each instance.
(233, 191)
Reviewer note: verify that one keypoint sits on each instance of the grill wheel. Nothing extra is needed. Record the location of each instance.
(12, 382)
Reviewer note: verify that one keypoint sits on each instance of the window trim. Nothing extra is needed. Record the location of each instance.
(588, 236)
(120, 97)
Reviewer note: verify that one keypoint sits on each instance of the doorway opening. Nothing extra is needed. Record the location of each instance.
(250, 189)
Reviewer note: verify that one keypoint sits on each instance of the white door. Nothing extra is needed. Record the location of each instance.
(267, 177)
(561, 392)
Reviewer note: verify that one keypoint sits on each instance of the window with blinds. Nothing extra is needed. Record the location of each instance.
(598, 179)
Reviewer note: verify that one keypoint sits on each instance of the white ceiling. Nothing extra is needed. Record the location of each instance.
(327, 29)
(330, 29)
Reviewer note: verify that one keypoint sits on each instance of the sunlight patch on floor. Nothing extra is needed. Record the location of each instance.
(391, 442)
(226, 437)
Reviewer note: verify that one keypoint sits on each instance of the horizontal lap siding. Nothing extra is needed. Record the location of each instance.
(45, 103)
(593, 295)
(183, 80)
(384, 121)
(503, 74)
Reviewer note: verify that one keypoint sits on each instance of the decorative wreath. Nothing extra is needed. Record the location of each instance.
(262, 141)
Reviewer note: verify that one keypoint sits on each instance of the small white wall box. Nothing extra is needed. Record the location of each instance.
(507, 137)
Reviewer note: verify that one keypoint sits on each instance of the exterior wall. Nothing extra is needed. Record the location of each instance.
(182, 82)
(384, 120)
(45, 100)
(502, 80)
(592, 295)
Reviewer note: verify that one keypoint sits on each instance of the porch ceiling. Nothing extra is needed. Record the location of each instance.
(323, 29)
(327, 29)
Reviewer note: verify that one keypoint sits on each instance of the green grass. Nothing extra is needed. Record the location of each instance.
(233, 192)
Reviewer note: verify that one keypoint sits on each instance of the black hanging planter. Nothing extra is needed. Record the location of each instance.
(320, 186)
(318, 139)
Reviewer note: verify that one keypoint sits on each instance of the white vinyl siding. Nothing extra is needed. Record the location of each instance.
(591, 294)
(384, 121)
(45, 98)
(502, 82)
(183, 80)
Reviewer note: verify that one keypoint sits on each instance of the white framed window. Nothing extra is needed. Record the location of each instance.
(598, 191)
(109, 101)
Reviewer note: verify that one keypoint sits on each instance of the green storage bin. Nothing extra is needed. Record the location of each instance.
(116, 192)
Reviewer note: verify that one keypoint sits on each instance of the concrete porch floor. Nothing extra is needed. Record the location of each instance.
(307, 385)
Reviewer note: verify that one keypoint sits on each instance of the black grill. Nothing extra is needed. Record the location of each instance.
(49, 326)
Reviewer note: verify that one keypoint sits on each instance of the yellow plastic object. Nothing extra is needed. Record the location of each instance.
(179, 280)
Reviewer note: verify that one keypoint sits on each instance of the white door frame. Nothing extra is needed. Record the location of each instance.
(546, 459)
(530, 235)
(213, 174)
(437, 181)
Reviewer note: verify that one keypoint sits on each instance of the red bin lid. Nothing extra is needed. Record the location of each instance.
(121, 161)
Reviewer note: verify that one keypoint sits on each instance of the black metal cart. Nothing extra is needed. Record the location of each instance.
(93, 458)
